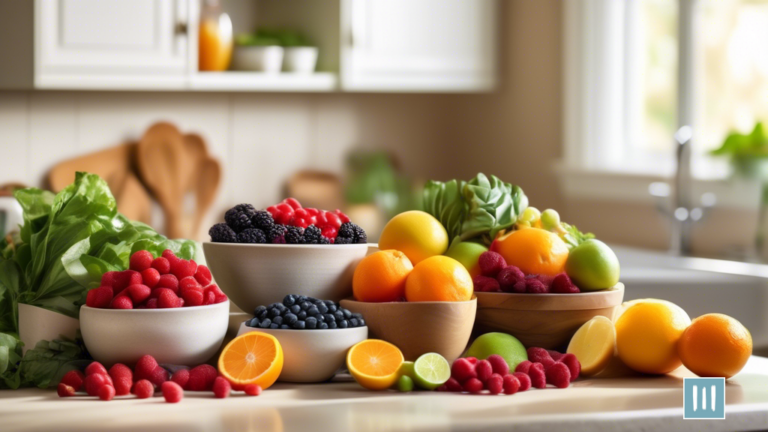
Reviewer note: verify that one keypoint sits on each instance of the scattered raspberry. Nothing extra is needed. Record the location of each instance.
(145, 366)
(143, 389)
(151, 303)
(556, 356)
(252, 389)
(106, 392)
(93, 382)
(463, 370)
(64, 390)
(181, 377)
(172, 392)
(563, 284)
(540, 355)
(508, 277)
(484, 370)
(524, 379)
(168, 281)
(124, 279)
(158, 376)
(162, 265)
(167, 299)
(183, 268)
(574, 367)
(74, 379)
(491, 263)
(495, 384)
(221, 388)
(473, 385)
(122, 377)
(485, 284)
(203, 275)
(558, 375)
(535, 286)
(523, 366)
(511, 384)
(99, 297)
(138, 293)
(108, 278)
(122, 302)
(141, 260)
(201, 377)
(452, 385)
(537, 375)
(499, 365)
(150, 277)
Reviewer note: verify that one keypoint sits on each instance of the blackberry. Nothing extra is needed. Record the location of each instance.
(344, 240)
(276, 233)
(239, 217)
(346, 230)
(324, 240)
(262, 220)
(222, 233)
(312, 235)
(353, 232)
(360, 235)
(294, 235)
(251, 235)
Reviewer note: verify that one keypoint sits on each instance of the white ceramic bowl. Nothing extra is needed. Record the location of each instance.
(300, 59)
(259, 274)
(312, 355)
(267, 59)
(182, 336)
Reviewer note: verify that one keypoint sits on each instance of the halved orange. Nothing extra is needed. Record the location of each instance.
(374, 363)
(252, 358)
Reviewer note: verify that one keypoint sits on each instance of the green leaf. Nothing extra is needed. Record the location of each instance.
(493, 207)
(48, 361)
(10, 357)
(444, 201)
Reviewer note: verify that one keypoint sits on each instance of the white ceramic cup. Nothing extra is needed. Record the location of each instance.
(301, 59)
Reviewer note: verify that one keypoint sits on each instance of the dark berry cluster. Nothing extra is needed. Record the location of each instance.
(301, 312)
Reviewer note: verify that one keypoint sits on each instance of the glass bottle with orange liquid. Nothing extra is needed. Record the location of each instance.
(215, 42)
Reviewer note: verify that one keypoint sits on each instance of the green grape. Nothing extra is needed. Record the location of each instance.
(530, 215)
(550, 220)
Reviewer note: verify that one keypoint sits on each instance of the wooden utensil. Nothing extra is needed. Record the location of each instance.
(207, 185)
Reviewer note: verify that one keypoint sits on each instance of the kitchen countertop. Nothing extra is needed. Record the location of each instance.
(627, 404)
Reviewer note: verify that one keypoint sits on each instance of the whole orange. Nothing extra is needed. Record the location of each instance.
(438, 278)
(533, 250)
(715, 345)
(381, 276)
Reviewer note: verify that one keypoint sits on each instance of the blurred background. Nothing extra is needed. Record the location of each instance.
(638, 120)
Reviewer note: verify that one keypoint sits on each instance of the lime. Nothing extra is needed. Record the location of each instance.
(406, 369)
(405, 384)
(431, 370)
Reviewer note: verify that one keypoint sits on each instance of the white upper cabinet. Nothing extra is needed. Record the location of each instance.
(111, 43)
(418, 45)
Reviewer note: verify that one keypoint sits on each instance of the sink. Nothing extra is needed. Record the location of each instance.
(700, 286)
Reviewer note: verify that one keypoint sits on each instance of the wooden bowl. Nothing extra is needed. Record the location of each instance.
(420, 327)
(544, 320)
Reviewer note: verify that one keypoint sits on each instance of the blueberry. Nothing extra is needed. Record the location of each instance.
(281, 307)
(361, 322)
(295, 309)
(265, 323)
(332, 325)
(263, 314)
(320, 318)
(299, 325)
(305, 305)
(339, 315)
(301, 299)
(332, 308)
(322, 308)
(284, 326)
(277, 320)
(274, 326)
(302, 315)
(357, 315)
(312, 311)
(274, 312)
(329, 318)
(347, 313)
(322, 326)
(253, 322)
(258, 310)
(289, 300)
(344, 324)
(290, 319)
(311, 322)
(353, 322)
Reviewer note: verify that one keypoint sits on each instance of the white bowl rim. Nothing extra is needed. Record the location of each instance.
(294, 246)
(161, 310)
(315, 331)
(618, 287)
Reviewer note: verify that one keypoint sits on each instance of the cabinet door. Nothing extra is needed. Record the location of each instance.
(418, 45)
(110, 39)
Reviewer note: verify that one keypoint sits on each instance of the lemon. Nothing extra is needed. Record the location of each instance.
(415, 233)
(594, 344)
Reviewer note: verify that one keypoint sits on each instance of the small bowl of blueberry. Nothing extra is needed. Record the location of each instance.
(315, 335)
(259, 256)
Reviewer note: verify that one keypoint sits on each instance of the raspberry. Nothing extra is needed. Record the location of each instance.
(452, 385)
(99, 297)
(158, 376)
(201, 377)
(203, 275)
(540, 355)
(168, 281)
(535, 286)
(511, 384)
(344, 218)
(209, 297)
(221, 388)
(65, 390)
(485, 284)
(189, 282)
(538, 378)
(525, 380)
(124, 279)
(333, 220)
(495, 384)
(221, 298)
(293, 202)
(473, 385)
(167, 299)
(558, 375)
(172, 392)
(145, 366)
(162, 265)
(193, 296)
(143, 389)
(484, 370)
(74, 379)
(330, 232)
(573, 364)
(138, 293)
(508, 277)
(95, 368)
(491, 263)
(252, 389)
(150, 277)
(472, 360)
(556, 356)
(170, 256)
(122, 302)
(93, 382)
(183, 268)
(519, 287)
(106, 392)
(563, 284)
(181, 377)
(523, 366)
(463, 370)
(108, 278)
(122, 377)
(498, 363)
(141, 260)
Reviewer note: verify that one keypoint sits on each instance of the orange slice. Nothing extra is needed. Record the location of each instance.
(374, 363)
(252, 358)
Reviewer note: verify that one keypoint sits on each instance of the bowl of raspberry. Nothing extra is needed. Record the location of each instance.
(164, 306)
(260, 256)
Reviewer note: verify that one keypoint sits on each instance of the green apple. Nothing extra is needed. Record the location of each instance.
(593, 266)
(502, 344)
(467, 253)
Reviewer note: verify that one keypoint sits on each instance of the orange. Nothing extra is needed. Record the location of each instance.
(375, 364)
(439, 278)
(380, 277)
(647, 333)
(533, 250)
(715, 345)
(416, 233)
(252, 358)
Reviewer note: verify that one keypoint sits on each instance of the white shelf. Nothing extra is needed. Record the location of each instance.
(263, 82)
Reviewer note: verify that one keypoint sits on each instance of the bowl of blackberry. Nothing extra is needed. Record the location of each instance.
(315, 335)
(260, 256)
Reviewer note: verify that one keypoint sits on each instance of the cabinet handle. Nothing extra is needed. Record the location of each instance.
(181, 29)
